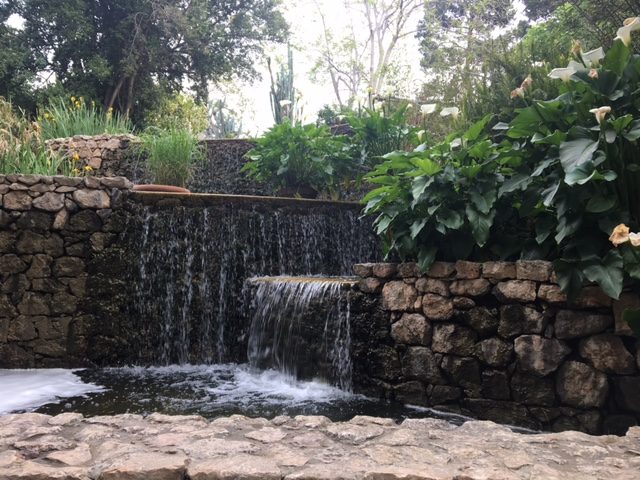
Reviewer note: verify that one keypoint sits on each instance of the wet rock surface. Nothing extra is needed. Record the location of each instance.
(36, 446)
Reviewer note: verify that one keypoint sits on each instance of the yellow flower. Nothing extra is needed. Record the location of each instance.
(87, 168)
(73, 99)
(76, 157)
(619, 235)
(75, 172)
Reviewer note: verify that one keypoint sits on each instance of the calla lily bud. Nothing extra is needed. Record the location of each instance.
(518, 92)
(527, 82)
(634, 239)
(593, 73)
(576, 47)
(600, 113)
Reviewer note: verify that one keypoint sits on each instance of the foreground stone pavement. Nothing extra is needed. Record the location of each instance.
(159, 447)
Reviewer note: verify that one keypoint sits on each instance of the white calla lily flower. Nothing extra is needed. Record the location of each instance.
(564, 74)
(428, 108)
(593, 57)
(285, 103)
(634, 239)
(453, 111)
(600, 113)
(630, 25)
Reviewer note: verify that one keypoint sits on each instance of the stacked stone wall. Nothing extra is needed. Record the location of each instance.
(51, 229)
(498, 341)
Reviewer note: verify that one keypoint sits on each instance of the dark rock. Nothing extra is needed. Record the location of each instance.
(501, 412)
(464, 371)
(536, 270)
(451, 338)
(607, 353)
(518, 319)
(408, 270)
(582, 386)
(482, 320)
(494, 352)
(384, 270)
(39, 221)
(397, 295)
(443, 394)
(470, 288)
(436, 307)
(68, 267)
(499, 270)
(421, 364)
(10, 264)
(575, 324)
(468, 270)
(495, 385)
(84, 221)
(627, 393)
(515, 291)
(618, 424)
(539, 355)
(370, 285)
(21, 329)
(384, 363)
(6, 307)
(411, 329)
(34, 304)
(40, 266)
(441, 270)
(463, 303)
(531, 390)
(433, 285)
(413, 393)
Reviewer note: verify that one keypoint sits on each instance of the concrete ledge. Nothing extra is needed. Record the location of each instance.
(35, 446)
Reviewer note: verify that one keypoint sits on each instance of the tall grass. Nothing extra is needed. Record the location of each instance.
(22, 149)
(63, 119)
(171, 155)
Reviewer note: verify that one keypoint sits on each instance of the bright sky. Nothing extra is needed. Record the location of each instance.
(306, 29)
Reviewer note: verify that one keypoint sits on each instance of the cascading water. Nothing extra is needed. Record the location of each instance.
(301, 327)
(187, 304)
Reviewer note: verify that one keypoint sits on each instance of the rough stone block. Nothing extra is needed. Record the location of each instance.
(451, 338)
(536, 270)
(515, 291)
(432, 285)
(370, 285)
(436, 307)
(17, 200)
(494, 352)
(607, 353)
(397, 295)
(95, 199)
(470, 288)
(420, 363)
(532, 390)
(518, 319)
(539, 355)
(482, 320)
(592, 297)
(495, 385)
(582, 386)
(499, 270)
(576, 324)
(627, 393)
(552, 294)
(384, 270)
(441, 270)
(411, 329)
(49, 202)
(468, 270)
(413, 393)
(463, 371)
(407, 270)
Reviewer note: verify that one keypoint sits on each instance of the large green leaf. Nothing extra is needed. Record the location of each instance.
(426, 257)
(570, 276)
(617, 57)
(601, 203)
(450, 218)
(480, 224)
(519, 181)
(574, 153)
(606, 272)
(417, 226)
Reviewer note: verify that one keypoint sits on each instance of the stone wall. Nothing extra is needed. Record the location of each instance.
(107, 155)
(119, 155)
(497, 341)
(50, 230)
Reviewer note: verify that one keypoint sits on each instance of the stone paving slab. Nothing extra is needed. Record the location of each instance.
(160, 447)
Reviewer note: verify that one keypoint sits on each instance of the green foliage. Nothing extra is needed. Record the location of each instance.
(61, 119)
(130, 53)
(178, 111)
(224, 122)
(171, 155)
(378, 132)
(299, 156)
(553, 183)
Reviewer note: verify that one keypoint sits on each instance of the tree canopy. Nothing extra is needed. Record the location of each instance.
(126, 53)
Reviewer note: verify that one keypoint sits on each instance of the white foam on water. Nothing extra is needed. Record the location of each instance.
(29, 389)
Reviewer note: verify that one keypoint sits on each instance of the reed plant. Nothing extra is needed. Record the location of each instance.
(22, 149)
(62, 119)
(171, 155)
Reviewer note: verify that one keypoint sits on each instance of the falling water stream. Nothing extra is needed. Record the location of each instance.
(301, 327)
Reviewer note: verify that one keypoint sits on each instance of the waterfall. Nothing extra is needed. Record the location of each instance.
(301, 327)
(192, 262)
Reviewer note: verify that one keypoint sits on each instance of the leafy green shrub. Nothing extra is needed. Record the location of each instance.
(179, 112)
(171, 155)
(299, 157)
(378, 132)
(61, 119)
(553, 183)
